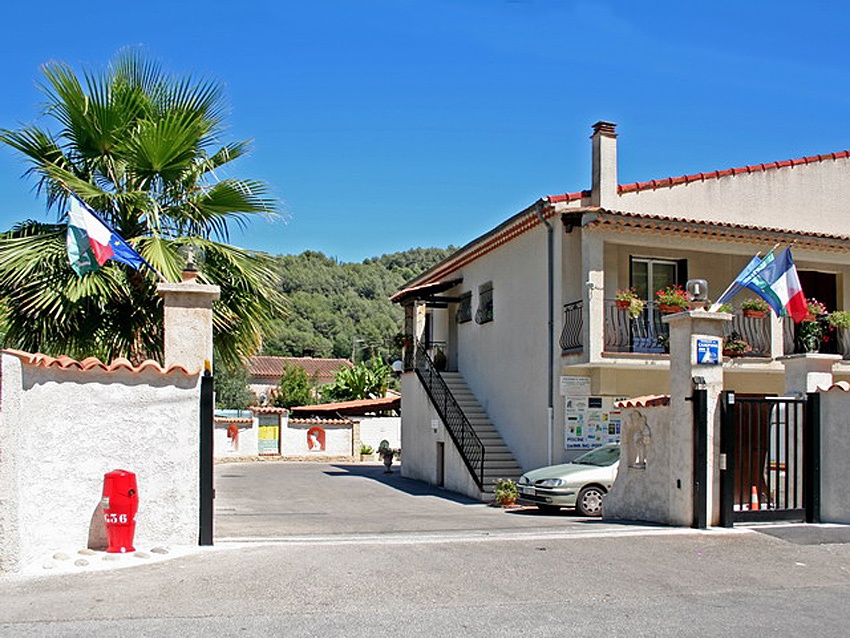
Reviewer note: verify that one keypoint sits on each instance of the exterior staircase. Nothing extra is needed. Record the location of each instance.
(498, 460)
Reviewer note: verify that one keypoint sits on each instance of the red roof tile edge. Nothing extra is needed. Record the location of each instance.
(92, 363)
(267, 409)
(361, 403)
(700, 177)
(319, 421)
(230, 419)
(648, 401)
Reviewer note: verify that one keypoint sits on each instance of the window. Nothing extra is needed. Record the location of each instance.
(484, 313)
(464, 310)
(651, 275)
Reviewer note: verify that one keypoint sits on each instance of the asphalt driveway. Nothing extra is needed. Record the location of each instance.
(280, 499)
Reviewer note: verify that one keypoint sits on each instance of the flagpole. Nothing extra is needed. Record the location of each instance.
(735, 286)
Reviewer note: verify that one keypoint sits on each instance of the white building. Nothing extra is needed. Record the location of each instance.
(525, 314)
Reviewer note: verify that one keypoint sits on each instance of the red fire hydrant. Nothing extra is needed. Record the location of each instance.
(120, 503)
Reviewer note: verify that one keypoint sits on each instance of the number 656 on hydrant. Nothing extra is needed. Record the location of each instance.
(120, 502)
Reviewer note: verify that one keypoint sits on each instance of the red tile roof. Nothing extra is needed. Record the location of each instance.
(527, 219)
(383, 403)
(729, 231)
(699, 177)
(432, 287)
(322, 369)
(644, 402)
(92, 363)
(267, 409)
(318, 421)
(231, 419)
(568, 197)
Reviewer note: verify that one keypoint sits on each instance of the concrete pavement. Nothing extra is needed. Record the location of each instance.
(445, 567)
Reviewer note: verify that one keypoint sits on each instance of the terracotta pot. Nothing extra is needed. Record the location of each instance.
(732, 353)
(754, 314)
(622, 304)
(669, 310)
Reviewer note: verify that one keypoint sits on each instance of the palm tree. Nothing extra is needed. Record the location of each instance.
(141, 148)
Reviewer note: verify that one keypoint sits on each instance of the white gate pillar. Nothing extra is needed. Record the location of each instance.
(188, 322)
(696, 355)
(808, 372)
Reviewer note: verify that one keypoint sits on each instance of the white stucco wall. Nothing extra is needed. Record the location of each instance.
(419, 443)
(806, 197)
(62, 430)
(375, 429)
(246, 446)
(645, 488)
(835, 450)
(504, 361)
(338, 439)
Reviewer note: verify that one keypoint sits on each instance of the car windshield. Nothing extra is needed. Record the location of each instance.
(601, 456)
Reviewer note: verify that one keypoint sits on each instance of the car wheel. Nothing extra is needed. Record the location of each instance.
(549, 509)
(589, 501)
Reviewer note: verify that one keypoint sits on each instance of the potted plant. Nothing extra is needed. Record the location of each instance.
(440, 360)
(506, 492)
(755, 308)
(816, 309)
(735, 346)
(627, 300)
(367, 452)
(840, 321)
(725, 307)
(672, 299)
(812, 329)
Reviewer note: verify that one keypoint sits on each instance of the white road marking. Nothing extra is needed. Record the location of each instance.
(471, 536)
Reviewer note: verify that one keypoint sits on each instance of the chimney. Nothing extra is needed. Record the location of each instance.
(604, 188)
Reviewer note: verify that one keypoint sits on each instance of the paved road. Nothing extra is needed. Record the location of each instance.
(425, 577)
(280, 499)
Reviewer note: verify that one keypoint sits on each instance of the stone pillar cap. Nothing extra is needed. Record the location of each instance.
(697, 314)
(189, 287)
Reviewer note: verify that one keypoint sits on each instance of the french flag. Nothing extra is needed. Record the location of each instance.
(105, 243)
(783, 287)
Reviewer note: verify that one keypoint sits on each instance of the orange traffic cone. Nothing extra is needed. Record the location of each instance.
(754, 499)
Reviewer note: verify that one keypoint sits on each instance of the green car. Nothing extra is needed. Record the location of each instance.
(580, 484)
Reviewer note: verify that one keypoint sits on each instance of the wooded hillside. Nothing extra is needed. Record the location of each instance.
(334, 304)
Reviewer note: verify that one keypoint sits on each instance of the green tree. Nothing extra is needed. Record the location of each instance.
(231, 387)
(141, 148)
(366, 380)
(295, 388)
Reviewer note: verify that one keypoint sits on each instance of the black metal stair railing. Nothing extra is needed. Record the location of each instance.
(460, 429)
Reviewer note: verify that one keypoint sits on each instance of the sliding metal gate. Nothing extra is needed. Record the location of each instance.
(770, 455)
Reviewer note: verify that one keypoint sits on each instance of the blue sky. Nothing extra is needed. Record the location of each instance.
(384, 125)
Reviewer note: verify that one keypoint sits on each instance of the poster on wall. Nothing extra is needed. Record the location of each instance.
(590, 422)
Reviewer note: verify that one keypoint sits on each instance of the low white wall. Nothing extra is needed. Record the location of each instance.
(246, 443)
(835, 452)
(62, 430)
(646, 487)
(419, 442)
(338, 438)
(375, 429)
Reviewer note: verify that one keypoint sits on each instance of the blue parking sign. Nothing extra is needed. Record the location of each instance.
(708, 351)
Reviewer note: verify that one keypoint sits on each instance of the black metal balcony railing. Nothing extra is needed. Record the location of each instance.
(571, 334)
(648, 334)
(458, 426)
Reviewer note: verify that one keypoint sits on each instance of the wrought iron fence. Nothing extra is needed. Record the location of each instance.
(647, 333)
(460, 429)
(644, 333)
(571, 334)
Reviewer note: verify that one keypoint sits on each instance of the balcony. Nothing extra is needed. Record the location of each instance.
(648, 334)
